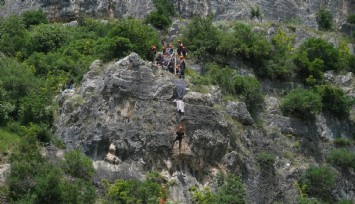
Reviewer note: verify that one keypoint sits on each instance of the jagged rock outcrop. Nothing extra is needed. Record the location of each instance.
(303, 11)
(129, 106)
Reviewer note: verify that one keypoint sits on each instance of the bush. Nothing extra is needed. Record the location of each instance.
(109, 48)
(230, 189)
(13, 35)
(41, 132)
(301, 103)
(158, 20)
(78, 165)
(141, 36)
(203, 196)
(315, 49)
(34, 108)
(250, 90)
(351, 19)
(132, 191)
(34, 17)
(77, 191)
(245, 44)
(266, 161)
(342, 142)
(201, 37)
(334, 100)
(318, 182)
(281, 65)
(324, 19)
(342, 157)
(48, 37)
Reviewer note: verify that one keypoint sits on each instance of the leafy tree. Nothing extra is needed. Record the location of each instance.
(110, 48)
(201, 37)
(324, 19)
(301, 103)
(266, 161)
(12, 35)
(318, 182)
(281, 65)
(132, 191)
(342, 157)
(78, 165)
(204, 196)
(334, 100)
(232, 191)
(351, 19)
(244, 44)
(34, 17)
(141, 36)
(160, 17)
(48, 37)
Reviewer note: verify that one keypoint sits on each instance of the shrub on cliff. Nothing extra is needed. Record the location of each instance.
(342, 157)
(324, 19)
(318, 182)
(48, 37)
(301, 103)
(334, 100)
(34, 17)
(230, 189)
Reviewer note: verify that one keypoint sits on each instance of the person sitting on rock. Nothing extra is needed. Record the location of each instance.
(179, 135)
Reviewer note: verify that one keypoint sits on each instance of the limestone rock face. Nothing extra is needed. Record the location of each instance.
(129, 106)
(238, 111)
(123, 117)
(275, 10)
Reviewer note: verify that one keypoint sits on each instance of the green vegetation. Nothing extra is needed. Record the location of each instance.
(324, 19)
(342, 157)
(266, 161)
(248, 88)
(318, 182)
(230, 189)
(334, 100)
(160, 18)
(8, 142)
(149, 191)
(342, 142)
(301, 103)
(351, 19)
(33, 179)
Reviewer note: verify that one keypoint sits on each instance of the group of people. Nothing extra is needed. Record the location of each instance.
(174, 62)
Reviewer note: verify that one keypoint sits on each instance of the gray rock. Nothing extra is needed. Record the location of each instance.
(127, 104)
(287, 10)
(4, 171)
(238, 111)
(198, 99)
(344, 80)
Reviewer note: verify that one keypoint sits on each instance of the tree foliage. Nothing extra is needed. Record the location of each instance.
(318, 182)
(301, 103)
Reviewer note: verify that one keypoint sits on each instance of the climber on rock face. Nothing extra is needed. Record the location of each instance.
(152, 52)
(179, 135)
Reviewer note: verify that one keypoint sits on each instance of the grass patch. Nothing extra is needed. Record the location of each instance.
(8, 142)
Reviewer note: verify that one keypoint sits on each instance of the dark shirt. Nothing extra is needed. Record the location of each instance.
(179, 135)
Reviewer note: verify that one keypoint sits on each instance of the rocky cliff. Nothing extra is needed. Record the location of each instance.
(123, 116)
(302, 11)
